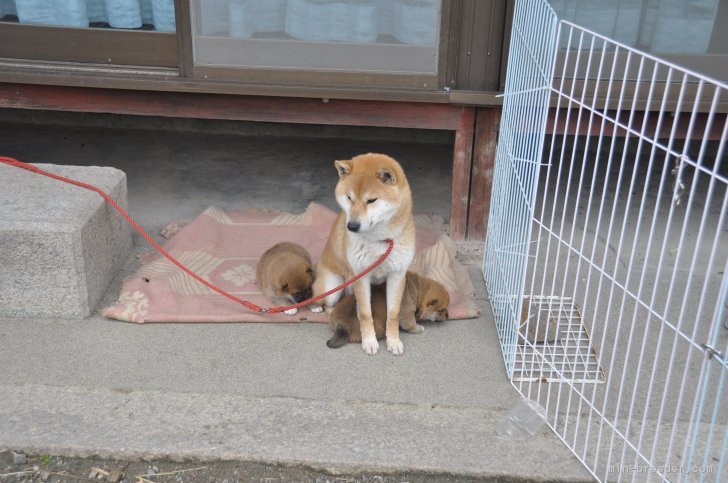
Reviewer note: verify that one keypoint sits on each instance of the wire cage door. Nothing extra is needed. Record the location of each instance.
(518, 158)
(607, 250)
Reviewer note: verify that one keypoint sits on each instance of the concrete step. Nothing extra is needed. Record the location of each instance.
(62, 245)
(334, 436)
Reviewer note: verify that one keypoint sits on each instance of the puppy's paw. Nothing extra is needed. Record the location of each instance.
(417, 329)
(395, 346)
(370, 345)
(316, 309)
(292, 311)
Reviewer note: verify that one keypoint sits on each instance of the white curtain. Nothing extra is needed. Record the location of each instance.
(407, 21)
(660, 26)
(79, 13)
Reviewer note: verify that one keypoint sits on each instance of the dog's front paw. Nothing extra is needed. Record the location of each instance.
(417, 329)
(395, 346)
(292, 311)
(370, 345)
(316, 309)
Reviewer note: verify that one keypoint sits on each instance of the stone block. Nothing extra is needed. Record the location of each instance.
(60, 245)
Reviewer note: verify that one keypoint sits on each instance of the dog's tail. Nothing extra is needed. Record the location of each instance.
(340, 337)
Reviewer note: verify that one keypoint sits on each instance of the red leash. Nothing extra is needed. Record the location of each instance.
(158, 247)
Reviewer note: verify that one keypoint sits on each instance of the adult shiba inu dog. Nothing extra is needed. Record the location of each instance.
(376, 204)
(423, 299)
(285, 275)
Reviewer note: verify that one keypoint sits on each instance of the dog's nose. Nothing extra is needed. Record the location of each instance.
(301, 296)
(353, 226)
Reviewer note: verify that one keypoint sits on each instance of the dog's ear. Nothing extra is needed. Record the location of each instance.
(387, 176)
(343, 167)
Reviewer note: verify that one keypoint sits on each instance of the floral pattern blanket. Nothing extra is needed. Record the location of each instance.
(224, 247)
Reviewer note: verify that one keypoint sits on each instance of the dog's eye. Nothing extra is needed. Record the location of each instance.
(285, 287)
(369, 202)
(349, 197)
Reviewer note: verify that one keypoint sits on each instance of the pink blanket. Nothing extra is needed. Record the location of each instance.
(223, 247)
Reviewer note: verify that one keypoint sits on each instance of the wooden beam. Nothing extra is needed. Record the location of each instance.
(599, 124)
(233, 107)
(461, 166)
(487, 121)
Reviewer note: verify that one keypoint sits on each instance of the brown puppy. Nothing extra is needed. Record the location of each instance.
(284, 274)
(376, 204)
(423, 299)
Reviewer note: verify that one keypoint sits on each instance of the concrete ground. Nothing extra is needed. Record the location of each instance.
(254, 392)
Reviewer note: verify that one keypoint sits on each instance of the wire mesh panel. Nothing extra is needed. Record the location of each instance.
(623, 254)
(707, 435)
(523, 122)
(557, 336)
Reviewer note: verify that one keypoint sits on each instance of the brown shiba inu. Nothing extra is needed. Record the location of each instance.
(285, 275)
(423, 299)
(376, 204)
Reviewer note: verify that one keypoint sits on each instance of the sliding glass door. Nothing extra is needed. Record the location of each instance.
(387, 42)
(120, 32)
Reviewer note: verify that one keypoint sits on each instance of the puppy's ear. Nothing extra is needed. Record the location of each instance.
(387, 176)
(343, 167)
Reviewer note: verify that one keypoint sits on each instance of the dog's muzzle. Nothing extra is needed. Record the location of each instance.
(353, 226)
(301, 296)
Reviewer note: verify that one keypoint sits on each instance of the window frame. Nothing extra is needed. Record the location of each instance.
(103, 46)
